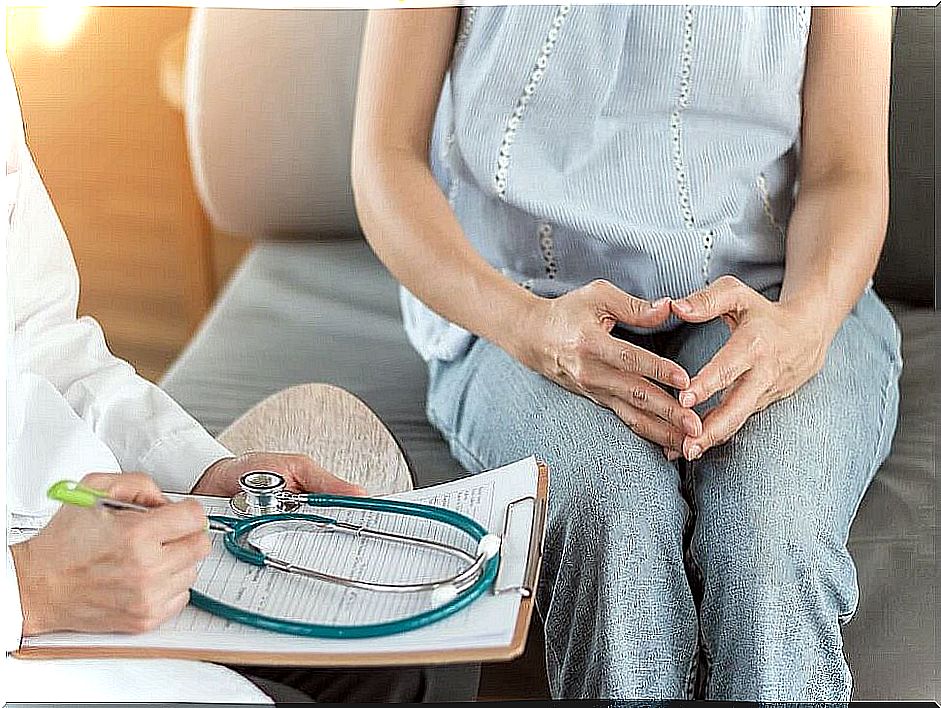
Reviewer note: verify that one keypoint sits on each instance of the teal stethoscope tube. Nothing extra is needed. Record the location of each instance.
(240, 527)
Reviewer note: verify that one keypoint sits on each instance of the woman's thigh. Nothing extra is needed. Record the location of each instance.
(493, 410)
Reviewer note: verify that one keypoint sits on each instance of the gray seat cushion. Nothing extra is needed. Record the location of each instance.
(328, 312)
(311, 312)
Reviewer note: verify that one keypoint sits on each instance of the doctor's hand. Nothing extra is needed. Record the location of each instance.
(97, 570)
(568, 340)
(300, 472)
(773, 350)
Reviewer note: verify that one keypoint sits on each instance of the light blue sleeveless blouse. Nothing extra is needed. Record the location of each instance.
(653, 146)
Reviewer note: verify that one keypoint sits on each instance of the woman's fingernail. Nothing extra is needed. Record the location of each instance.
(687, 398)
(694, 452)
(682, 306)
(657, 304)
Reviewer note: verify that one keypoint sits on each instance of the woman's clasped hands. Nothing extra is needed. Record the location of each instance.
(774, 347)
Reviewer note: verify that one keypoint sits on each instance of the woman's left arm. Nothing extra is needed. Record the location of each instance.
(834, 235)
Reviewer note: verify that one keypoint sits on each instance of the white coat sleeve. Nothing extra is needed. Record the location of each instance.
(145, 429)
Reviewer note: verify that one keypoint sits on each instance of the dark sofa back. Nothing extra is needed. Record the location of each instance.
(907, 270)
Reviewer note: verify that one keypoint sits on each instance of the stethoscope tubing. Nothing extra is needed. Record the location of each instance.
(362, 631)
(238, 527)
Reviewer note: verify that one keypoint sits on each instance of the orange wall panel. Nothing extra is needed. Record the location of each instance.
(112, 152)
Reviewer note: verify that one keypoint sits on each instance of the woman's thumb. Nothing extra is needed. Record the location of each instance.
(634, 310)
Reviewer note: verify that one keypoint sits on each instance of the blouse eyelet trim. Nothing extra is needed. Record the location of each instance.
(535, 77)
(469, 14)
(765, 195)
(676, 126)
(803, 17)
(708, 240)
(547, 246)
(452, 178)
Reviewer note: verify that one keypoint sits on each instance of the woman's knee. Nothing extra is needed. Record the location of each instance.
(616, 513)
(771, 568)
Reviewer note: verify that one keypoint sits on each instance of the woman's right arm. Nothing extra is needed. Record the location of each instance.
(404, 214)
(411, 227)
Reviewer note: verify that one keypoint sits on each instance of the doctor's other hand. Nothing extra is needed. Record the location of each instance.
(300, 472)
(568, 340)
(98, 570)
(774, 348)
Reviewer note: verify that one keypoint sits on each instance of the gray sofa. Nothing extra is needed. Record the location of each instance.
(268, 106)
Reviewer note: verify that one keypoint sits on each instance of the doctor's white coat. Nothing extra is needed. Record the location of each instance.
(72, 407)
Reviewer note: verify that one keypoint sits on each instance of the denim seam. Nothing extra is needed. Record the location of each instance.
(703, 644)
(884, 422)
(550, 647)
(847, 617)
(690, 693)
(452, 437)
(702, 647)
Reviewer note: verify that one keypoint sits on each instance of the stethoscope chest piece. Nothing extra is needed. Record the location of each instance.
(262, 493)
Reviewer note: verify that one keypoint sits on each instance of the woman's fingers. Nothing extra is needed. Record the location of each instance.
(636, 391)
(722, 422)
(645, 425)
(631, 359)
(611, 300)
(719, 373)
(727, 294)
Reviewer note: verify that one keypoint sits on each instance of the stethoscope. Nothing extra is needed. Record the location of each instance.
(264, 501)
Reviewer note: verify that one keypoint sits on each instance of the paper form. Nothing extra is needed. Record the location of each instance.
(487, 622)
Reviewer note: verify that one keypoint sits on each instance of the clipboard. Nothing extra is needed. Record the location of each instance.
(525, 590)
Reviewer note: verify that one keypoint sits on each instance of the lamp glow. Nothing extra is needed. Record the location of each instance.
(59, 22)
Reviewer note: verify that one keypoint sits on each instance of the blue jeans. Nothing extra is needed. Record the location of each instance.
(726, 578)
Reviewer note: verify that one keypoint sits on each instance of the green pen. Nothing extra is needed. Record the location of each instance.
(75, 494)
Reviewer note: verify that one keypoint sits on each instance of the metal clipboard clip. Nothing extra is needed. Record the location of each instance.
(537, 536)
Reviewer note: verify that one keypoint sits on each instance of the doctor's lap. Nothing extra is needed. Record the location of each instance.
(730, 572)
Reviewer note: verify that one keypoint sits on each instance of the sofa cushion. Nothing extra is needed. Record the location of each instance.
(328, 312)
(311, 312)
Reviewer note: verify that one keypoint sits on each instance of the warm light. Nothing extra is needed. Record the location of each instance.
(51, 26)
(59, 22)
